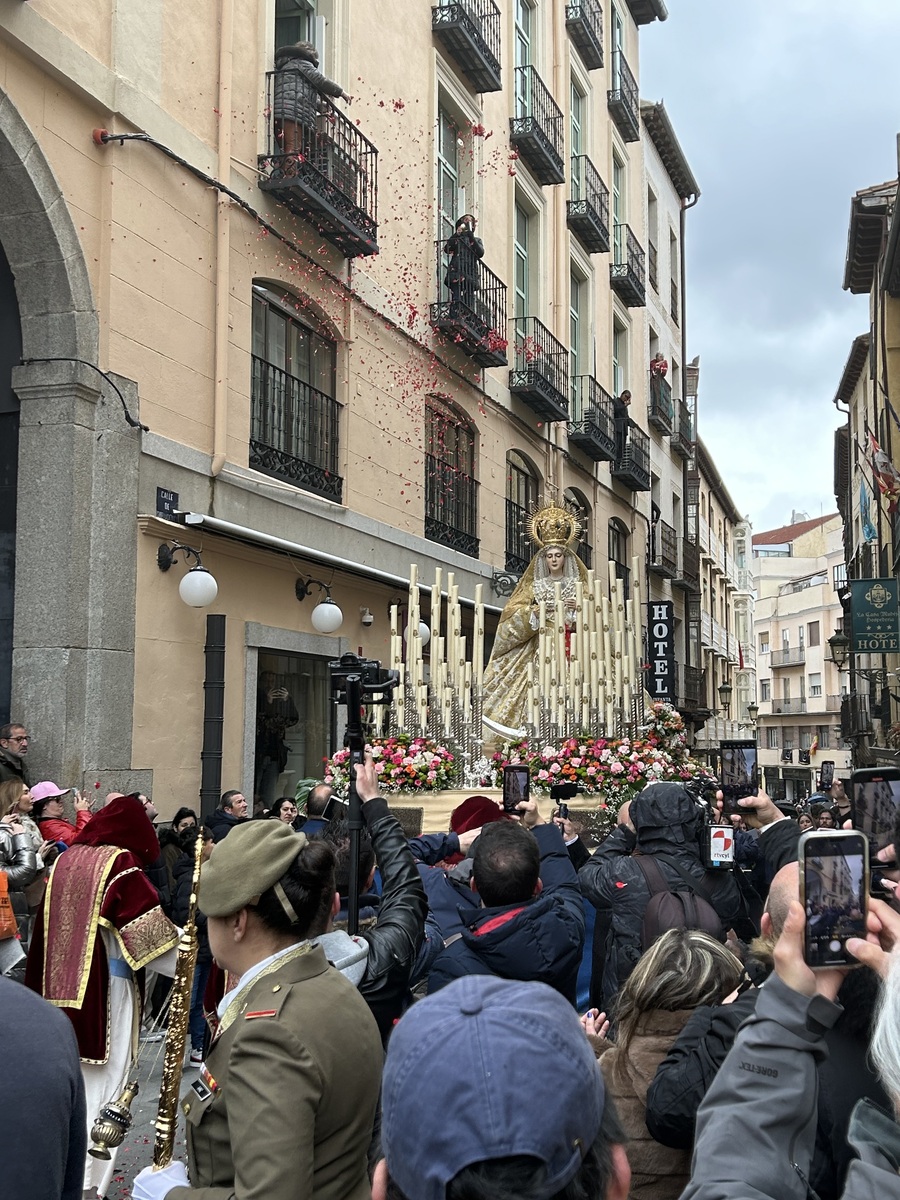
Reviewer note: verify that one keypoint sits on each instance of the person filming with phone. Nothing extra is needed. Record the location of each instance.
(530, 923)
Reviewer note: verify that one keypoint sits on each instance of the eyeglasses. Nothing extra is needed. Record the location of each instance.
(24, 738)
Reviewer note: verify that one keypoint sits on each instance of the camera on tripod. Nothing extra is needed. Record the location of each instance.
(560, 793)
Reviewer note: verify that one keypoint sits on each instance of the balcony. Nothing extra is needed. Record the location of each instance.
(682, 439)
(833, 703)
(536, 130)
(591, 424)
(690, 687)
(856, 717)
(585, 25)
(623, 100)
(687, 577)
(451, 507)
(325, 172)
(587, 212)
(662, 558)
(518, 545)
(470, 31)
(786, 708)
(660, 410)
(471, 311)
(626, 271)
(540, 374)
(703, 532)
(789, 656)
(294, 431)
(632, 465)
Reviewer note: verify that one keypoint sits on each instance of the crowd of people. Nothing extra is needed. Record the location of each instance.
(520, 1015)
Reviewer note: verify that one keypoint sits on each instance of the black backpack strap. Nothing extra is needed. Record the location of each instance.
(655, 880)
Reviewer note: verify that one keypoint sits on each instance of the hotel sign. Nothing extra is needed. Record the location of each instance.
(875, 616)
(661, 639)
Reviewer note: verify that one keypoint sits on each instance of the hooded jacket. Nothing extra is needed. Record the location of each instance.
(540, 940)
(299, 84)
(667, 825)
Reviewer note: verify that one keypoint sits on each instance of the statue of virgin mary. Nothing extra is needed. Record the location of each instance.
(555, 530)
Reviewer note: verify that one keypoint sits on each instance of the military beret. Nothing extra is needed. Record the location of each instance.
(250, 860)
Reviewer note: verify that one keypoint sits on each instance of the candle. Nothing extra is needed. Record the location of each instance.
(478, 645)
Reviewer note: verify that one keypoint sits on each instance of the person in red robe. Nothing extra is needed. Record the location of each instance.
(100, 924)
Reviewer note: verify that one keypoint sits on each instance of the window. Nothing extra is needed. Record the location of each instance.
(785, 639)
(584, 549)
(839, 575)
(823, 733)
(619, 358)
(652, 243)
(298, 749)
(771, 738)
(765, 689)
(577, 112)
(618, 552)
(523, 54)
(521, 266)
(806, 736)
(521, 493)
(815, 684)
(789, 736)
(294, 418)
(801, 633)
(812, 631)
(618, 208)
(577, 292)
(295, 21)
(674, 268)
(450, 486)
(617, 44)
(451, 199)
(764, 643)
(785, 689)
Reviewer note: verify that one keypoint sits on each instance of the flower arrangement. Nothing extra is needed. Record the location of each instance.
(403, 763)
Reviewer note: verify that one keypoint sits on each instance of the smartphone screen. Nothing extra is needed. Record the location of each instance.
(826, 775)
(875, 800)
(516, 787)
(738, 773)
(834, 880)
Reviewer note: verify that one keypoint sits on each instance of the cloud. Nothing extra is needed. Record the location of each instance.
(784, 111)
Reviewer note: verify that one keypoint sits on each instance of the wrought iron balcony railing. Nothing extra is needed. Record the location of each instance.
(470, 30)
(540, 374)
(320, 166)
(690, 686)
(662, 553)
(585, 25)
(687, 577)
(682, 440)
(451, 507)
(632, 465)
(591, 424)
(587, 210)
(471, 309)
(788, 656)
(626, 271)
(294, 431)
(623, 99)
(585, 552)
(518, 545)
(536, 130)
(661, 410)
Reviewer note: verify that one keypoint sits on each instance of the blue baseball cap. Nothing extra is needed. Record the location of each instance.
(502, 1038)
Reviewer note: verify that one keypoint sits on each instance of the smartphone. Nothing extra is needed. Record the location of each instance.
(563, 810)
(516, 787)
(875, 804)
(738, 773)
(834, 892)
(826, 775)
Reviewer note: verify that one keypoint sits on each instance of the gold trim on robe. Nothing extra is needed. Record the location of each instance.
(71, 928)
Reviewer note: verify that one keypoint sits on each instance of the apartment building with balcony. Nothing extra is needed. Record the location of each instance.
(295, 385)
(866, 444)
(796, 569)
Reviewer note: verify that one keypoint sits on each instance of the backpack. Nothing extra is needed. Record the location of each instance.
(684, 908)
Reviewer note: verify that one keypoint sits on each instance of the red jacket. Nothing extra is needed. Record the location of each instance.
(54, 829)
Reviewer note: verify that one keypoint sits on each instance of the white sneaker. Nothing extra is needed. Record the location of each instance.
(196, 1058)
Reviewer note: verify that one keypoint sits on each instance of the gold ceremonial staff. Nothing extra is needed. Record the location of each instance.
(179, 1016)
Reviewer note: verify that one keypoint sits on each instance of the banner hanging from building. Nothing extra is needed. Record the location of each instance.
(661, 643)
(875, 616)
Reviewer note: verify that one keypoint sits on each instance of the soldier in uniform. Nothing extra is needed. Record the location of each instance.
(285, 1101)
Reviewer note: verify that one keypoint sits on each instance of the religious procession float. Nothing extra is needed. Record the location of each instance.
(562, 693)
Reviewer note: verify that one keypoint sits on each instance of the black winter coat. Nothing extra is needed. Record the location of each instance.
(395, 938)
(222, 822)
(667, 828)
(181, 900)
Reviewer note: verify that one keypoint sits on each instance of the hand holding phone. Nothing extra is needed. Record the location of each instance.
(738, 774)
(516, 787)
(834, 892)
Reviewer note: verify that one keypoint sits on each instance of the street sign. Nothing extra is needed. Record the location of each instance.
(661, 638)
(875, 616)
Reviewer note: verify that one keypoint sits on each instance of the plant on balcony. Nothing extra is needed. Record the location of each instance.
(402, 763)
(613, 769)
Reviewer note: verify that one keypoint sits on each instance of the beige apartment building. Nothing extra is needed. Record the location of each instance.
(235, 328)
(798, 570)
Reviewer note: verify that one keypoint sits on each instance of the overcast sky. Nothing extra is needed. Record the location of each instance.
(784, 109)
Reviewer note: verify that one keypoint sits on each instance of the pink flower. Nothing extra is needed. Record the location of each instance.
(617, 768)
(543, 774)
(555, 768)
(592, 771)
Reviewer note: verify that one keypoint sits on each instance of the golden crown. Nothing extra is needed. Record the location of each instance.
(555, 525)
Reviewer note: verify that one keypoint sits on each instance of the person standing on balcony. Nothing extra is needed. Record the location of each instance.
(296, 105)
(620, 417)
(464, 249)
(658, 366)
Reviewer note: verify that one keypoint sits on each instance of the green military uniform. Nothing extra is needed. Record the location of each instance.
(285, 1103)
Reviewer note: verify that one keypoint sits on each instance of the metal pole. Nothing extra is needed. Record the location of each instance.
(213, 715)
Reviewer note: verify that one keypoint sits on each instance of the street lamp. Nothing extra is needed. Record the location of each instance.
(753, 712)
(197, 588)
(839, 644)
(725, 690)
(326, 616)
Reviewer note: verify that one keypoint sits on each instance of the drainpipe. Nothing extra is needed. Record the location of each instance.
(223, 241)
(213, 715)
(685, 205)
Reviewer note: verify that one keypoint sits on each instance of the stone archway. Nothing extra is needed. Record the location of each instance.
(75, 555)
